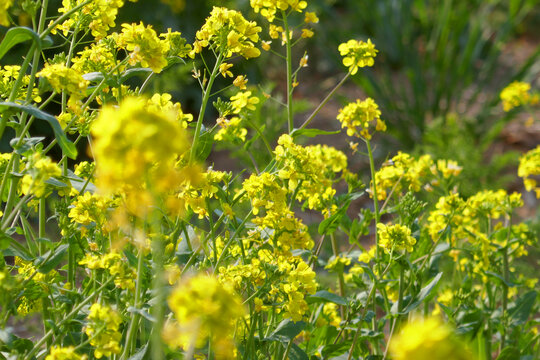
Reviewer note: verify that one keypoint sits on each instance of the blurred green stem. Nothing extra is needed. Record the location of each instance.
(290, 119)
(206, 96)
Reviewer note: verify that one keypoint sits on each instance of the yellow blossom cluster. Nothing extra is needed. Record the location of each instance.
(39, 169)
(269, 8)
(394, 238)
(309, 171)
(428, 339)
(230, 130)
(115, 264)
(4, 6)
(361, 118)
(131, 154)
(198, 189)
(63, 78)
(144, 46)
(8, 76)
(204, 308)
(98, 15)
(517, 94)
(301, 281)
(64, 353)
(90, 208)
(357, 54)
(529, 168)
(163, 103)
(404, 172)
(98, 57)
(228, 32)
(103, 328)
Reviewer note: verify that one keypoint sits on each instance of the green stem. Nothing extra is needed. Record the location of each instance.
(206, 96)
(132, 329)
(335, 249)
(375, 202)
(326, 99)
(290, 119)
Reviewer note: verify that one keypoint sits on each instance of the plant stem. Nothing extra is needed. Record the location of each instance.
(206, 96)
(290, 119)
(375, 203)
(326, 99)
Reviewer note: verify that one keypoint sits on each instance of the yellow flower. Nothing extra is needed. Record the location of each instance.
(338, 263)
(361, 118)
(357, 54)
(103, 329)
(240, 82)
(269, 8)
(229, 32)
(231, 130)
(307, 33)
(529, 166)
(4, 6)
(395, 238)
(224, 69)
(515, 94)
(203, 308)
(133, 145)
(88, 208)
(243, 100)
(428, 339)
(144, 46)
(64, 353)
(311, 17)
(39, 169)
(66, 79)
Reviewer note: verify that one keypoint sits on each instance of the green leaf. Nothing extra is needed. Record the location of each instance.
(423, 295)
(326, 296)
(296, 353)
(49, 261)
(520, 312)
(139, 355)
(16, 36)
(67, 146)
(312, 132)
(93, 76)
(328, 226)
(135, 72)
(509, 353)
(286, 330)
(26, 144)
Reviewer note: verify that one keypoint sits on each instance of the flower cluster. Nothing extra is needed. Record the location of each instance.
(144, 46)
(203, 308)
(517, 94)
(63, 78)
(115, 264)
(361, 118)
(8, 77)
(39, 169)
(98, 15)
(428, 339)
(103, 329)
(357, 54)
(395, 238)
(228, 32)
(529, 167)
(64, 353)
(269, 8)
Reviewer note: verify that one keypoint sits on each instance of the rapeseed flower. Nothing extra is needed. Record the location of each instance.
(103, 329)
(144, 46)
(269, 8)
(517, 94)
(39, 169)
(529, 167)
(203, 308)
(228, 32)
(428, 339)
(395, 238)
(4, 6)
(64, 353)
(361, 118)
(357, 54)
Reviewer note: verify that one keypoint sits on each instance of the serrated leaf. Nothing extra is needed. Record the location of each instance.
(67, 146)
(287, 330)
(326, 296)
(423, 294)
(312, 132)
